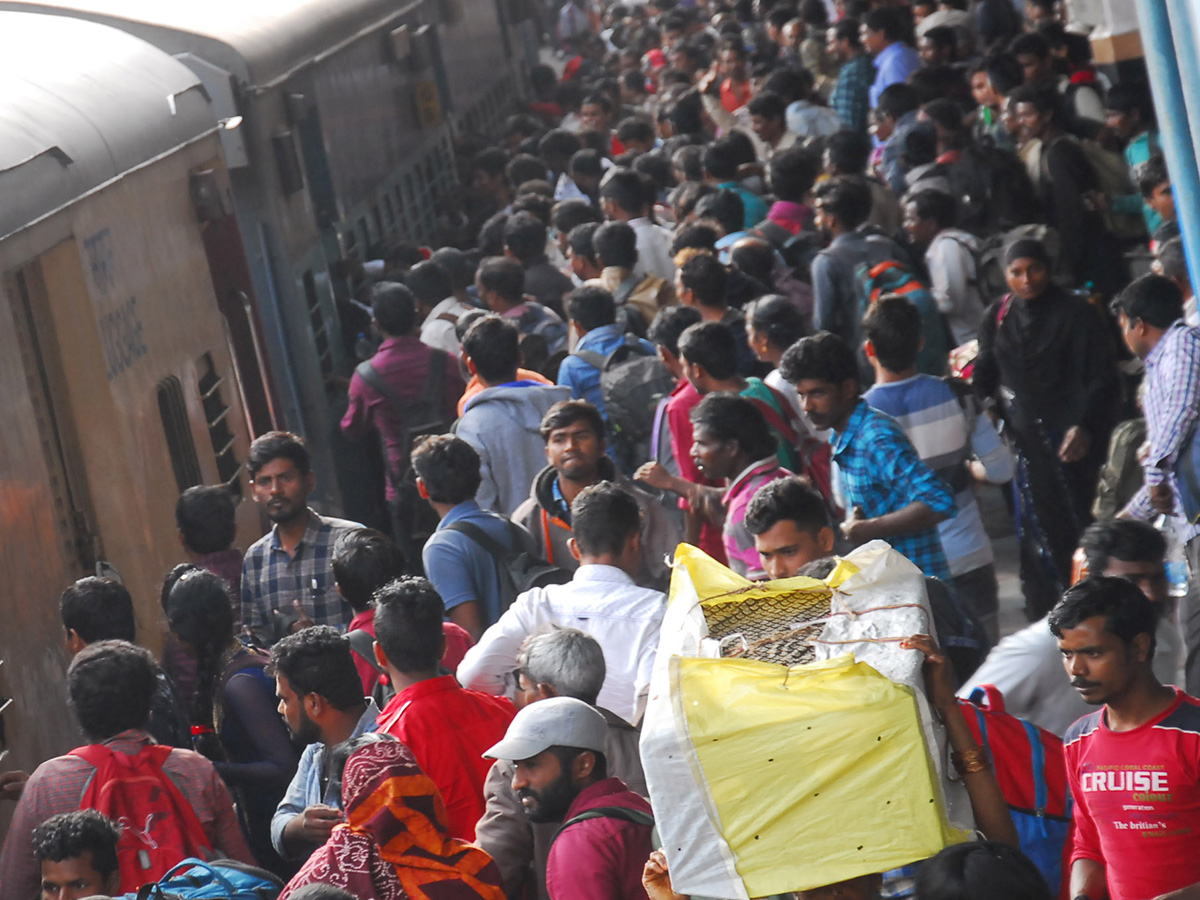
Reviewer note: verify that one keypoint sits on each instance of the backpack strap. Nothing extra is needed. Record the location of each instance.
(1038, 758)
(369, 374)
(625, 289)
(636, 816)
(494, 548)
(363, 644)
(592, 358)
(430, 398)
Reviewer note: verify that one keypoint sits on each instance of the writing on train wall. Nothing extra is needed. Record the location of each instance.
(121, 326)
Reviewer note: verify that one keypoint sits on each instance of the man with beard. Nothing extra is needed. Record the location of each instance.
(287, 578)
(561, 775)
(321, 700)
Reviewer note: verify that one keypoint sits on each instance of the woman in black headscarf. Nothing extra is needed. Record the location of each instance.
(1048, 363)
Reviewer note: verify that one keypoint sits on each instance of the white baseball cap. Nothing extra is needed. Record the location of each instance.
(555, 722)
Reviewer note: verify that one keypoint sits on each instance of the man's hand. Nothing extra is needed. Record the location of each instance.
(302, 620)
(1075, 445)
(12, 784)
(313, 826)
(939, 675)
(656, 878)
(654, 475)
(1162, 498)
(857, 527)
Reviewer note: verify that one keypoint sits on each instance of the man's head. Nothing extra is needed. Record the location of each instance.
(492, 348)
(724, 208)
(842, 205)
(1027, 268)
(574, 434)
(926, 214)
(728, 434)
(488, 173)
(596, 113)
(586, 169)
(559, 662)
(842, 40)
(895, 102)
(363, 561)
(589, 308)
(281, 475)
(731, 59)
(524, 238)
(393, 309)
(204, 515)
(1036, 109)
(792, 173)
(767, 117)
(581, 251)
(615, 244)
(1128, 110)
(1106, 632)
(1172, 262)
(938, 46)
(1129, 549)
(881, 27)
(606, 527)
(669, 323)
(558, 748)
(1032, 52)
(636, 132)
(721, 160)
(701, 281)
(790, 525)
(96, 609)
(408, 626)
(500, 282)
(109, 686)
(846, 153)
(557, 147)
(430, 283)
(77, 852)
(709, 355)
(447, 469)
(1154, 181)
(1146, 309)
(825, 374)
(316, 682)
(892, 326)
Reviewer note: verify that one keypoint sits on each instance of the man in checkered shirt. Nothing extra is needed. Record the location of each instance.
(287, 578)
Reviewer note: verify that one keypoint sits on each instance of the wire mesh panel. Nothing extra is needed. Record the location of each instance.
(771, 627)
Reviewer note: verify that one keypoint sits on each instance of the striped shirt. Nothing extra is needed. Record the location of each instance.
(1172, 404)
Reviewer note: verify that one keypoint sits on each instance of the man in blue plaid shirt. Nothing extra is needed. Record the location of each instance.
(851, 93)
(889, 493)
(287, 579)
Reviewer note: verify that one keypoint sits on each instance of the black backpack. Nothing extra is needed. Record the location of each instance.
(520, 571)
(798, 250)
(632, 381)
(636, 816)
(363, 645)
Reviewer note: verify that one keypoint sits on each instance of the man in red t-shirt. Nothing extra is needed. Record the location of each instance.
(1134, 764)
(446, 727)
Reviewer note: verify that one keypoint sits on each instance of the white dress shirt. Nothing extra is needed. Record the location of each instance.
(438, 332)
(654, 250)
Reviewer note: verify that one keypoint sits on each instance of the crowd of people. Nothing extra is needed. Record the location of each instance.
(775, 279)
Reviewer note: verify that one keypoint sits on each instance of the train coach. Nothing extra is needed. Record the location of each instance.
(340, 118)
(120, 383)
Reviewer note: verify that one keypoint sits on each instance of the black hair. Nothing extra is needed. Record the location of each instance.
(448, 466)
(524, 167)
(706, 278)
(695, 236)
(278, 445)
(942, 36)
(1127, 613)
(945, 113)
(847, 197)
(792, 173)
(1043, 98)
(98, 609)
(394, 308)
(586, 162)
(728, 417)
(566, 413)
(318, 660)
(1128, 540)
(504, 276)
(734, 43)
(408, 624)
(787, 499)
(525, 238)
(767, 104)
(713, 347)
(980, 870)
(1152, 173)
(1004, 73)
(494, 346)
(897, 99)
(534, 198)
(849, 151)
(919, 146)
(615, 244)
(848, 29)
(721, 159)
(820, 357)
(204, 515)
(559, 143)
(69, 835)
(778, 318)
(893, 326)
(669, 323)
(604, 517)
(457, 266)
(781, 15)
(109, 686)
(936, 206)
(491, 161)
(635, 128)
(491, 235)
(429, 282)
(200, 612)
(582, 241)
(1131, 96)
(656, 168)
(1030, 44)
(1172, 259)
(628, 190)
(756, 258)
(789, 84)
(522, 124)
(725, 206)
(466, 320)
(569, 214)
(685, 114)
(889, 21)
(814, 13)
(363, 561)
(591, 307)
(598, 98)
(173, 576)
(1153, 299)
(635, 81)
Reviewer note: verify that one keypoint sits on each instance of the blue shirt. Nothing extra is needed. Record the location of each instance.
(581, 376)
(754, 207)
(305, 789)
(881, 473)
(461, 570)
(893, 64)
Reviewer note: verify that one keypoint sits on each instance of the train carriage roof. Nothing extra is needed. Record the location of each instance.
(80, 104)
(258, 41)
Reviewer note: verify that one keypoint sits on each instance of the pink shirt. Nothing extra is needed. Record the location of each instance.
(739, 543)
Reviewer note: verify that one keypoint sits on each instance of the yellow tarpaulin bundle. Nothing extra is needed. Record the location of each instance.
(768, 778)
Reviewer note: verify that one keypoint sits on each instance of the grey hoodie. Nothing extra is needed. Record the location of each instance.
(502, 424)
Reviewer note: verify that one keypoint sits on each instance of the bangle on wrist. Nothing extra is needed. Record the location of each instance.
(970, 761)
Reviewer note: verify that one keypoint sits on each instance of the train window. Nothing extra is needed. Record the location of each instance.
(178, 430)
(216, 416)
(389, 212)
(316, 320)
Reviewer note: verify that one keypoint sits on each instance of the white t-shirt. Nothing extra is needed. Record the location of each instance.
(437, 330)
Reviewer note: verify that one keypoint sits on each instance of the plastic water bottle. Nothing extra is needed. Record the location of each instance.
(1176, 561)
(362, 347)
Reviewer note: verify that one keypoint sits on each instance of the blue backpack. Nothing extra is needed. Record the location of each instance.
(893, 277)
(222, 879)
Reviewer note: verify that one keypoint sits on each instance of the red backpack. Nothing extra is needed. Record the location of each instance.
(1032, 773)
(158, 825)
